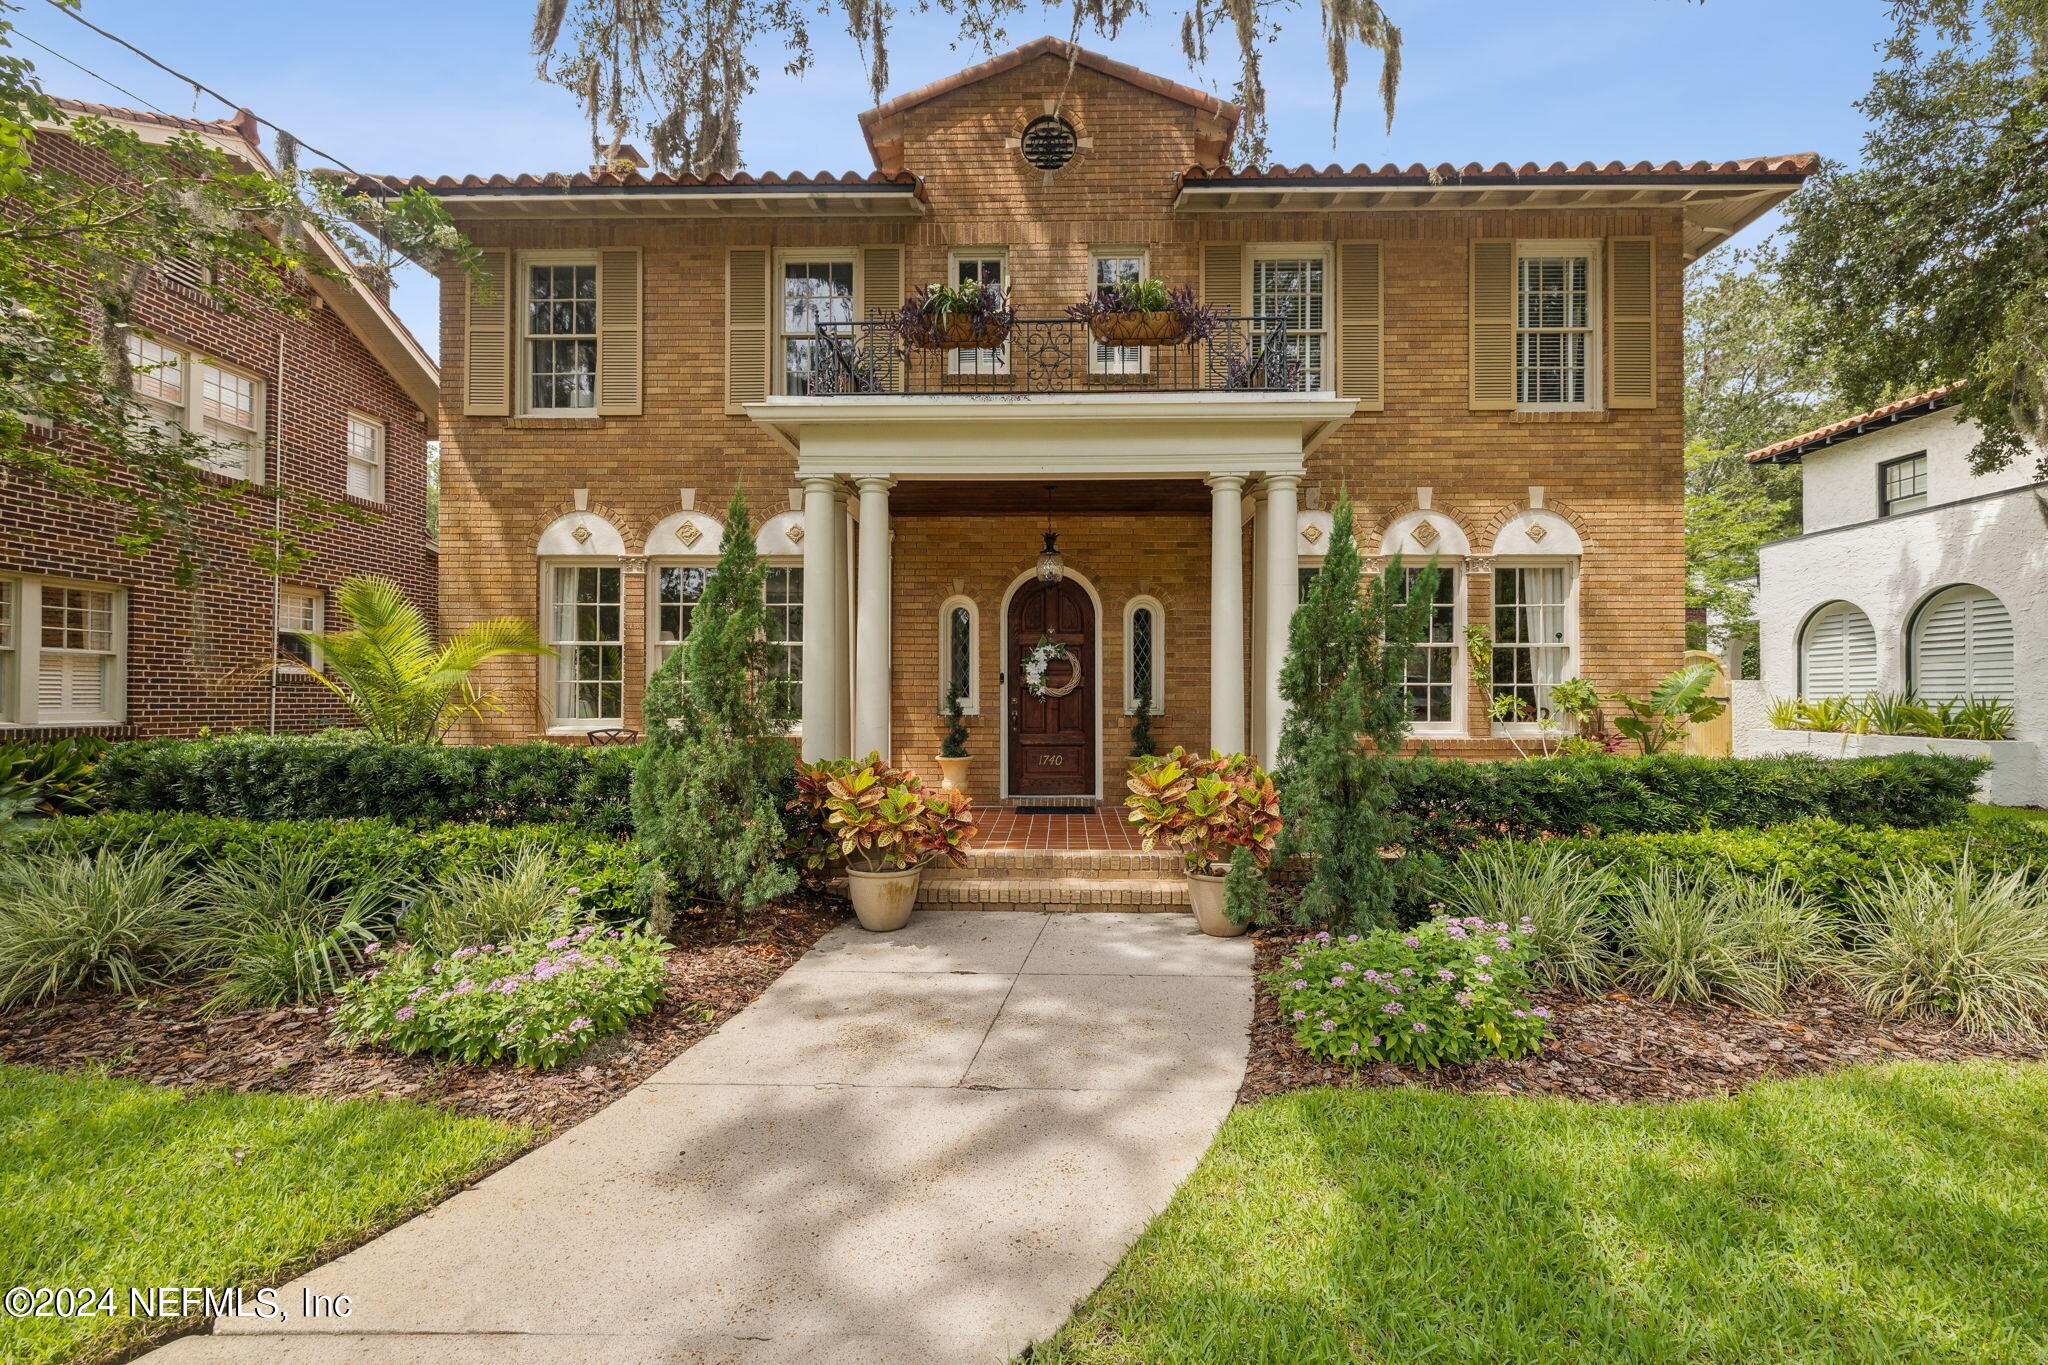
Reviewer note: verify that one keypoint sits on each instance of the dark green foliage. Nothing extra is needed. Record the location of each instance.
(50, 777)
(1454, 804)
(710, 779)
(1347, 654)
(954, 745)
(1142, 743)
(314, 778)
(1823, 858)
(605, 870)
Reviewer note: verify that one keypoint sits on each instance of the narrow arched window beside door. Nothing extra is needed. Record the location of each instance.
(1144, 654)
(960, 653)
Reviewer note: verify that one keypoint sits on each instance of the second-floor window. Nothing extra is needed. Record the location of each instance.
(814, 291)
(989, 266)
(186, 389)
(365, 458)
(1902, 485)
(1290, 283)
(1115, 266)
(559, 328)
(1556, 307)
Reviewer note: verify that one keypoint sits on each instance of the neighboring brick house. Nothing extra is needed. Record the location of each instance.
(1489, 363)
(337, 404)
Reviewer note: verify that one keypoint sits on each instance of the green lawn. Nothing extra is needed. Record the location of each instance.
(1984, 812)
(1890, 1215)
(110, 1183)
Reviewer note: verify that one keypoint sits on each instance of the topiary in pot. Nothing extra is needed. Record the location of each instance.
(953, 755)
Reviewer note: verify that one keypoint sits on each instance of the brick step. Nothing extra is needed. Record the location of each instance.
(1053, 893)
(1028, 863)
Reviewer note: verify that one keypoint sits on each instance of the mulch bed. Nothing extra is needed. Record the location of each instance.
(164, 1039)
(1621, 1048)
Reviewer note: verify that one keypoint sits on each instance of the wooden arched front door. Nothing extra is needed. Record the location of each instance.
(1052, 739)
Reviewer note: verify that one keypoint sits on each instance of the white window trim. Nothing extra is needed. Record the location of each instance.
(377, 464)
(551, 666)
(319, 626)
(970, 704)
(27, 655)
(11, 645)
(1456, 727)
(1000, 367)
(191, 416)
(1131, 608)
(523, 368)
(795, 727)
(1596, 325)
(1096, 364)
(1570, 564)
(779, 314)
(1299, 251)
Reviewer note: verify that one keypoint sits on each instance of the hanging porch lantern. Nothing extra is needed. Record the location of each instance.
(1051, 566)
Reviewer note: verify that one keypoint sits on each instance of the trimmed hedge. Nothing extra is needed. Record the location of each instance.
(1824, 857)
(289, 777)
(1455, 804)
(605, 869)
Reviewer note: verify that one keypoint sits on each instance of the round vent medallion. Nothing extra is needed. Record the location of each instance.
(1048, 142)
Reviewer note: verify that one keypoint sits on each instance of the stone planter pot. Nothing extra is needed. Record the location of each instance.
(953, 773)
(882, 901)
(1160, 328)
(1205, 894)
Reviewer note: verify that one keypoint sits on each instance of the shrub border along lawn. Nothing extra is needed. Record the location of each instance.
(1877, 1215)
(111, 1183)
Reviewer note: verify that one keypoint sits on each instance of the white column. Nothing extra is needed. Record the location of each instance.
(842, 620)
(1279, 574)
(824, 632)
(1226, 612)
(871, 621)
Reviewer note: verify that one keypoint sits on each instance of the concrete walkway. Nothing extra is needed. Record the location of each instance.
(914, 1149)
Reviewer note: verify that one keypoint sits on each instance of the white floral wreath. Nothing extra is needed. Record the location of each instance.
(1037, 662)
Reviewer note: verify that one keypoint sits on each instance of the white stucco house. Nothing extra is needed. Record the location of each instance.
(1910, 574)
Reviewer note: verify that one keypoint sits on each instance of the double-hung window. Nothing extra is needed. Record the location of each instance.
(365, 458)
(1431, 683)
(784, 594)
(62, 652)
(299, 613)
(183, 388)
(558, 326)
(986, 266)
(590, 648)
(1557, 310)
(815, 290)
(677, 590)
(1532, 637)
(1114, 266)
(1292, 284)
(1902, 485)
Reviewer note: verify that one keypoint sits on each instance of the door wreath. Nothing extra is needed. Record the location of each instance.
(1040, 658)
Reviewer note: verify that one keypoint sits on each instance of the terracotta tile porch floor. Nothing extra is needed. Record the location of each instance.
(1103, 828)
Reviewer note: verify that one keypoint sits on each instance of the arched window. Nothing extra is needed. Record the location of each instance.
(1144, 654)
(1837, 653)
(583, 597)
(960, 653)
(1961, 647)
(682, 550)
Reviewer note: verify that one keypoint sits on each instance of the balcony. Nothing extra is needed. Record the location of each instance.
(1250, 355)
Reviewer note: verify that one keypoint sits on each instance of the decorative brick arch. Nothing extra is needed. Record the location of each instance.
(1507, 512)
(630, 530)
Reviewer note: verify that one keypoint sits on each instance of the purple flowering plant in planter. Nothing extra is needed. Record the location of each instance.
(1449, 991)
(538, 1000)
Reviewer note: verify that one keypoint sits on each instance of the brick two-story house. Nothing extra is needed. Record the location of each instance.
(1486, 358)
(337, 404)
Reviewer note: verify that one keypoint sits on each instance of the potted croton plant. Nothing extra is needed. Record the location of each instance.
(884, 824)
(1145, 313)
(1208, 808)
(947, 317)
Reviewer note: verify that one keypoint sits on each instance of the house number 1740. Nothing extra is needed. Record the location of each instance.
(1051, 760)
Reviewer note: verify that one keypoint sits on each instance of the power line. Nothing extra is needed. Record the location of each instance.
(139, 99)
(198, 85)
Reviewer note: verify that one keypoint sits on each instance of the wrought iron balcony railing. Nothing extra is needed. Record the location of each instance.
(1055, 355)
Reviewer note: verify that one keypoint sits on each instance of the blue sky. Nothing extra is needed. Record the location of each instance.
(447, 86)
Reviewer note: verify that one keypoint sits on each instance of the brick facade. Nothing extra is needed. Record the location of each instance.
(195, 658)
(1614, 475)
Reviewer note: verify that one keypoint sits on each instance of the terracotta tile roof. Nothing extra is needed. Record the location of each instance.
(1793, 447)
(242, 125)
(1799, 164)
(1061, 48)
(557, 181)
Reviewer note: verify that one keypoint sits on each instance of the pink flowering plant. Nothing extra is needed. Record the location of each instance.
(540, 999)
(1449, 991)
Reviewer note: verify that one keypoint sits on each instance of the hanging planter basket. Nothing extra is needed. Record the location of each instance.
(1160, 328)
(960, 333)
